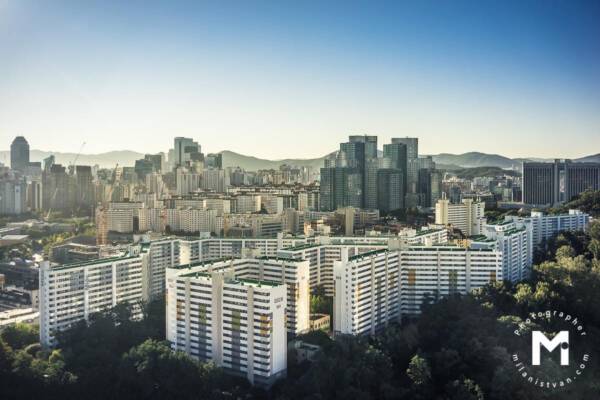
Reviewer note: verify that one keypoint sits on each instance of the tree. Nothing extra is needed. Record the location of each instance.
(20, 335)
(153, 370)
(419, 370)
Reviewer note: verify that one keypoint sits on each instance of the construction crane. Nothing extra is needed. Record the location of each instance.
(56, 189)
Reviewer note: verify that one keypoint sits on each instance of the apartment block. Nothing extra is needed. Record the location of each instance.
(376, 288)
(467, 216)
(545, 226)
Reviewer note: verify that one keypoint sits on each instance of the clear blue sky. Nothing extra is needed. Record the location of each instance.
(293, 79)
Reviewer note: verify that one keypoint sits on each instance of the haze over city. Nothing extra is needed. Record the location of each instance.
(290, 80)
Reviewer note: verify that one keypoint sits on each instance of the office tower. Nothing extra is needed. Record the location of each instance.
(412, 156)
(84, 188)
(579, 177)
(370, 181)
(157, 161)
(185, 152)
(390, 189)
(546, 184)
(327, 189)
(370, 144)
(13, 196)
(397, 154)
(430, 187)
(19, 154)
(341, 187)
(55, 188)
(541, 183)
(455, 195)
(467, 216)
(142, 168)
(214, 161)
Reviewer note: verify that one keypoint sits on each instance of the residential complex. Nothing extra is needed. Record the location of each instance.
(376, 288)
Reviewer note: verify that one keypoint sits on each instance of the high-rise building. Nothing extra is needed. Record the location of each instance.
(430, 186)
(547, 184)
(13, 198)
(390, 189)
(19, 154)
(237, 323)
(186, 152)
(214, 160)
(376, 288)
(341, 187)
(55, 188)
(370, 142)
(412, 161)
(143, 167)
(541, 183)
(467, 216)
(397, 154)
(370, 181)
(579, 177)
(84, 188)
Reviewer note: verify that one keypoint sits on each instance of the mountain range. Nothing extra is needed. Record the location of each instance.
(250, 163)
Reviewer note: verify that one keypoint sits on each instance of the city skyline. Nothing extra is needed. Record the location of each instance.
(288, 81)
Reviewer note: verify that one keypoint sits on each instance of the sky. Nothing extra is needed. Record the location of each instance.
(284, 79)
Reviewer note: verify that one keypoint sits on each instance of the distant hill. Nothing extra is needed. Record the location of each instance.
(592, 158)
(231, 159)
(476, 159)
(470, 173)
(249, 163)
(104, 160)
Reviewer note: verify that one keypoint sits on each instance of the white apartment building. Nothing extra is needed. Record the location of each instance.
(293, 273)
(246, 204)
(467, 216)
(322, 257)
(239, 324)
(190, 220)
(438, 271)
(516, 245)
(375, 288)
(187, 182)
(70, 293)
(158, 256)
(546, 226)
(366, 292)
(215, 179)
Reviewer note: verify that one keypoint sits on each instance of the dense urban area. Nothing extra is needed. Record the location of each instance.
(376, 273)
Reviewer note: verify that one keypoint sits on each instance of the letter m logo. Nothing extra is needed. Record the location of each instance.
(538, 339)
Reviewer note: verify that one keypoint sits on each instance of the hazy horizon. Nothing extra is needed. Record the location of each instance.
(275, 81)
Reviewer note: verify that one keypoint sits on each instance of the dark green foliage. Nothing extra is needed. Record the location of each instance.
(20, 335)
(588, 201)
